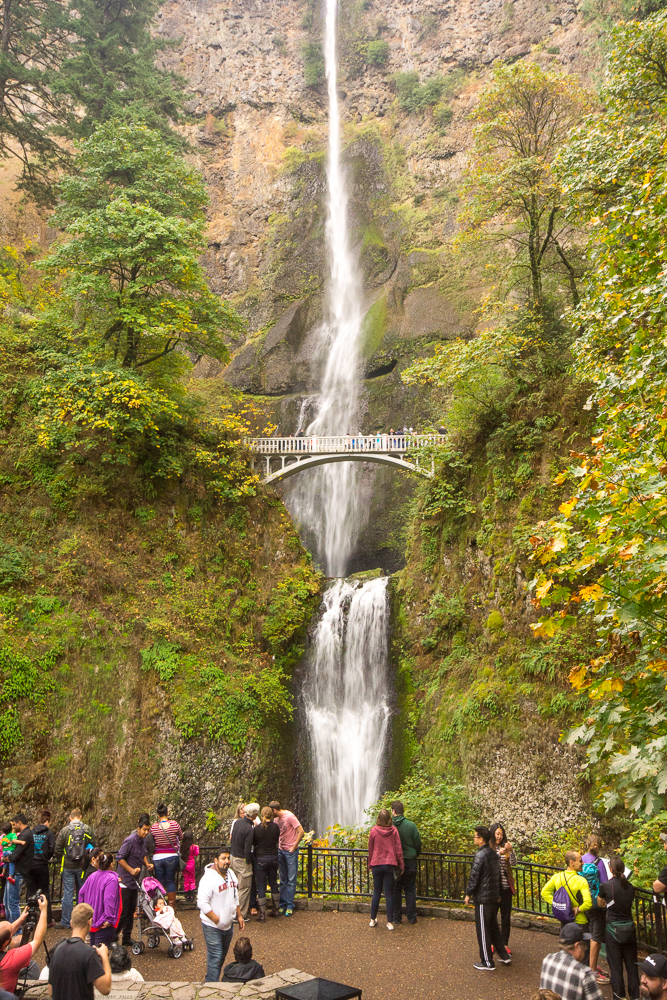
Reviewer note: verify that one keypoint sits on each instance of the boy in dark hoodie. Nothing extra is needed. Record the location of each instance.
(37, 879)
(244, 967)
(406, 883)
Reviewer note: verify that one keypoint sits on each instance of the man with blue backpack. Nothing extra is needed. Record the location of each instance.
(595, 872)
(568, 894)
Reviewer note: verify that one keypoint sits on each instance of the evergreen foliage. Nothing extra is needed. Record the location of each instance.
(64, 67)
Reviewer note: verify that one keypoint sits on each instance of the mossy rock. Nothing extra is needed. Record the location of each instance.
(494, 622)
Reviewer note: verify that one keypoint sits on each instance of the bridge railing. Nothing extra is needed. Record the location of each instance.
(399, 443)
(441, 878)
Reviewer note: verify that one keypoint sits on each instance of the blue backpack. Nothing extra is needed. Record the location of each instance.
(591, 873)
(561, 905)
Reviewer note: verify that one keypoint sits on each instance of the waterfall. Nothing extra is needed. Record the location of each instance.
(326, 503)
(346, 695)
(347, 701)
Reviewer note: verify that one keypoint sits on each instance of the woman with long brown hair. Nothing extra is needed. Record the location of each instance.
(616, 896)
(385, 853)
(502, 846)
(265, 838)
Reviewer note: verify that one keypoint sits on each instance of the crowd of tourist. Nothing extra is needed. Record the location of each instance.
(256, 875)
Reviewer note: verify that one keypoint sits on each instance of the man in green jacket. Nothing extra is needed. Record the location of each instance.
(411, 843)
(576, 887)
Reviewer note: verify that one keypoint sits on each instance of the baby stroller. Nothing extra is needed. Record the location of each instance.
(150, 891)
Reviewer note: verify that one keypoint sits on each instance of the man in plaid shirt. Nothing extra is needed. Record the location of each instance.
(564, 972)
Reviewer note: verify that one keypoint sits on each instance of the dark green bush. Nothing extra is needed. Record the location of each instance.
(313, 59)
(377, 52)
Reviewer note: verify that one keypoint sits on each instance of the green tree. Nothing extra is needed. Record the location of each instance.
(32, 44)
(109, 69)
(605, 556)
(513, 199)
(134, 216)
(66, 66)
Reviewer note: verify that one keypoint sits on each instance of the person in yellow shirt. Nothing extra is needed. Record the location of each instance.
(575, 885)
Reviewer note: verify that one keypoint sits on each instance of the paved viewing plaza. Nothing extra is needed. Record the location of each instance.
(432, 960)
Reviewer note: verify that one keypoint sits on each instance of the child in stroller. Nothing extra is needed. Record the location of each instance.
(161, 919)
(164, 916)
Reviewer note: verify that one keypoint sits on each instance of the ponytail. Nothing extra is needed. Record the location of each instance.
(617, 866)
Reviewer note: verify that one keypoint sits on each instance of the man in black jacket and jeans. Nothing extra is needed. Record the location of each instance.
(241, 856)
(484, 885)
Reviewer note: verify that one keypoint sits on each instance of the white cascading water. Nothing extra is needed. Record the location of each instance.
(346, 693)
(326, 504)
(347, 701)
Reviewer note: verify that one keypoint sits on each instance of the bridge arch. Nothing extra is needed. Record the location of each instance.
(301, 464)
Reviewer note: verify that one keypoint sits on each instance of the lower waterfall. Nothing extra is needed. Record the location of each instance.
(347, 700)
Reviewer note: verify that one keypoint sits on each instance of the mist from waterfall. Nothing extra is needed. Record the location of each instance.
(347, 701)
(326, 501)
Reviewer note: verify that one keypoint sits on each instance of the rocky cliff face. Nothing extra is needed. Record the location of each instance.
(259, 121)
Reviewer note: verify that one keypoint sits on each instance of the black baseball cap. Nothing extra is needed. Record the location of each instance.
(655, 966)
(570, 934)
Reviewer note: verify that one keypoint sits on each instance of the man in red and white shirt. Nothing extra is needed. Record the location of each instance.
(218, 904)
(291, 835)
(15, 959)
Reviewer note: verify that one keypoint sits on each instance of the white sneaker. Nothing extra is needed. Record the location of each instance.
(373, 923)
(390, 927)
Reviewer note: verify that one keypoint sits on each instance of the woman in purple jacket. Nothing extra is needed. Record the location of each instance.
(101, 890)
(384, 855)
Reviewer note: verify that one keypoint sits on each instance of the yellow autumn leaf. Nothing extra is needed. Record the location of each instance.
(544, 589)
(577, 676)
(566, 508)
(592, 593)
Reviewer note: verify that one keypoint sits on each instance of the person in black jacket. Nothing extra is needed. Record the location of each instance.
(241, 855)
(44, 843)
(244, 968)
(484, 885)
(22, 856)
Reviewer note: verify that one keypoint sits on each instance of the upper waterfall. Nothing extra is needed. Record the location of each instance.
(327, 503)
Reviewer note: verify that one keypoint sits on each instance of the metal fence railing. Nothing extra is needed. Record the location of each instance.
(441, 878)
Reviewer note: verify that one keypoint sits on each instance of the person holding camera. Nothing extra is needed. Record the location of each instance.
(76, 969)
(12, 960)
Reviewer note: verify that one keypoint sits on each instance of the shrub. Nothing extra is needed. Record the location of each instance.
(377, 52)
(313, 60)
(442, 116)
(444, 814)
(643, 851)
(414, 96)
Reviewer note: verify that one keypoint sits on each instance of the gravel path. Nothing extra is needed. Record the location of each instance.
(429, 961)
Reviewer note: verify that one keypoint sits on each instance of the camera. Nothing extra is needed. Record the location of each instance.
(32, 903)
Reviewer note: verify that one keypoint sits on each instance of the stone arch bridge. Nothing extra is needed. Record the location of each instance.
(411, 452)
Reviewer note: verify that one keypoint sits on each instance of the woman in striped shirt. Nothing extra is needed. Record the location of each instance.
(507, 858)
(167, 836)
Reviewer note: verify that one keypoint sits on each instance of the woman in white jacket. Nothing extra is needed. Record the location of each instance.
(218, 904)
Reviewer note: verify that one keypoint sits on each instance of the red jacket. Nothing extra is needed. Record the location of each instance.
(384, 847)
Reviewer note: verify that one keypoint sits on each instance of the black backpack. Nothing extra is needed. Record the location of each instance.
(76, 844)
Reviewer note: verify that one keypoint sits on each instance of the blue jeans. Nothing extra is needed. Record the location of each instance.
(217, 946)
(165, 871)
(71, 885)
(288, 865)
(383, 879)
(12, 893)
